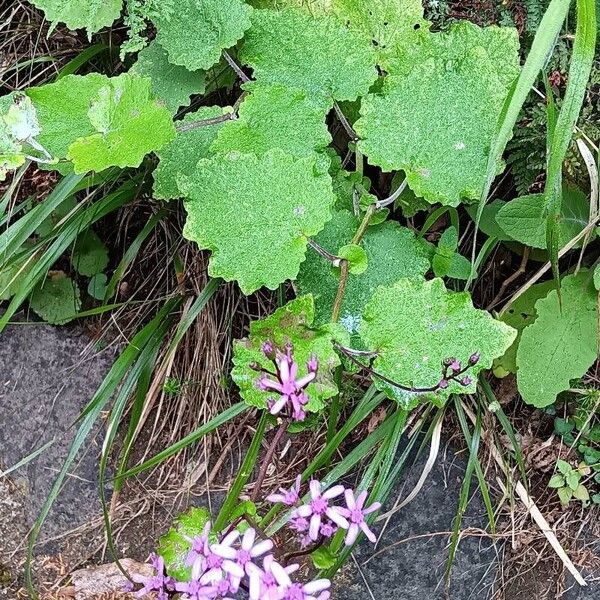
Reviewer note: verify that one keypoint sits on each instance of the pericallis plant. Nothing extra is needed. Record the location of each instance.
(270, 199)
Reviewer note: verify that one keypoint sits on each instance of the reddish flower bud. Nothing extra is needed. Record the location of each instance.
(443, 384)
(474, 358)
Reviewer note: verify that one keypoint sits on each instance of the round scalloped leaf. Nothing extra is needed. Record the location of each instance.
(197, 31)
(274, 116)
(437, 113)
(356, 256)
(561, 344)
(97, 286)
(57, 300)
(392, 252)
(174, 546)
(292, 323)
(62, 110)
(255, 214)
(183, 153)
(317, 54)
(129, 123)
(392, 25)
(92, 15)
(415, 324)
(90, 254)
(172, 84)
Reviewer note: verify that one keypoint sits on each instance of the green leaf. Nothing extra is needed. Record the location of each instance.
(323, 558)
(256, 214)
(560, 345)
(183, 153)
(197, 31)
(523, 218)
(62, 110)
(392, 252)
(581, 493)
(447, 262)
(128, 122)
(563, 427)
(565, 494)
(75, 14)
(488, 223)
(563, 466)
(292, 323)
(274, 116)
(392, 25)
(13, 273)
(519, 315)
(174, 545)
(90, 254)
(597, 277)
(172, 84)
(57, 300)
(97, 286)
(356, 257)
(573, 478)
(436, 119)
(317, 54)
(556, 481)
(415, 324)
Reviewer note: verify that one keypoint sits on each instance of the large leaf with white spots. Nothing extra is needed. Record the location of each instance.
(171, 84)
(197, 31)
(182, 154)
(292, 323)
(274, 116)
(392, 252)
(128, 124)
(318, 54)
(562, 343)
(415, 324)
(78, 14)
(436, 118)
(256, 214)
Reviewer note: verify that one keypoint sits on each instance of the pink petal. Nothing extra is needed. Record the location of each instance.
(280, 575)
(315, 524)
(304, 381)
(375, 506)
(336, 517)
(360, 501)
(293, 370)
(268, 384)
(248, 539)
(232, 567)
(370, 535)
(231, 537)
(224, 551)
(334, 492)
(304, 511)
(351, 535)
(315, 488)
(284, 367)
(316, 586)
(350, 501)
(254, 577)
(275, 498)
(276, 408)
(261, 548)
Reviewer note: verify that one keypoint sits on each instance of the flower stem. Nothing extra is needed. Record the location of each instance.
(332, 258)
(238, 70)
(267, 460)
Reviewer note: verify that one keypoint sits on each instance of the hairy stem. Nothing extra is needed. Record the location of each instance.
(236, 67)
(345, 123)
(332, 258)
(267, 460)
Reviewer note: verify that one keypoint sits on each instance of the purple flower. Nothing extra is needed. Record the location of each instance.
(318, 508)
(327, 530)
(466, 381)
(443, 384)
(299, 524)
(287, 384)
(314, 590)
(200, 547)
(455, 365)
(195, 590)
(237, 560)
(474, 358)
(287, 497)
(263, 583)
(356, 514)
(159, 583)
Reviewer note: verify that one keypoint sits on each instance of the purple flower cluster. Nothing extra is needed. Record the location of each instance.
(320, 518)
(220, 569)
(290, 389)
(453, 369)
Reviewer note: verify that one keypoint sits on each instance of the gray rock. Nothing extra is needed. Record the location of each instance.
(45, 384)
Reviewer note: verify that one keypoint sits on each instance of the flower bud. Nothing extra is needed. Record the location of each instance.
(268, 349)
(443, 384)
(313, 364)
(474, 358)
(466, 381)
(455, 365)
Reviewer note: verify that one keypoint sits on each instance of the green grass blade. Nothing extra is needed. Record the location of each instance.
(541, 48)
(580, 68)
(27, 459)
(243, 474)
(83, 57)
(208, 427)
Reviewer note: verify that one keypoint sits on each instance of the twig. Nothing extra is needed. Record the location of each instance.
(391, 199)
(345, 123)
(332, 258)
(236, 67)
(304, 552)
(344, 267)
(230, 116)
(267, 460)
(592, 169)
